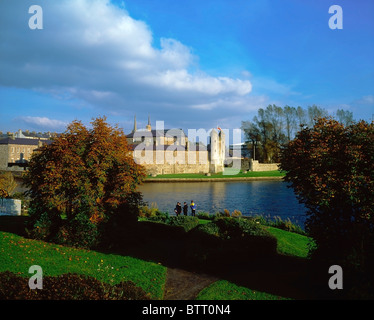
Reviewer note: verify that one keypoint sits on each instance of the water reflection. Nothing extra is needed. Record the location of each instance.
(268, 198)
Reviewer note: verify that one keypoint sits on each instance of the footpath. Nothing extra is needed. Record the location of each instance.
(184, 285)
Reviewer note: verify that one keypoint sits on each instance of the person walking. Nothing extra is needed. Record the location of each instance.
(185, 209)
(193, 208)
(178, 209)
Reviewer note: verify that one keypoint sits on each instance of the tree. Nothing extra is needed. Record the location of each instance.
(274, 127)
(331, 169)
(344, 116)
(290, 121)
(80, 182)
(253, 137)
(301, 116)
(315, 113)
(7, 185)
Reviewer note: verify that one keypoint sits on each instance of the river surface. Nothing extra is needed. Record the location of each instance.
(267, 198)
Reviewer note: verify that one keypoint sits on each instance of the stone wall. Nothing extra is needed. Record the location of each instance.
(254, 165)
(4, 155)
(173, 161)
(11, 153)
(10, 207)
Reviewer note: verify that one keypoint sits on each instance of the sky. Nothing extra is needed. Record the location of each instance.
(192, 64)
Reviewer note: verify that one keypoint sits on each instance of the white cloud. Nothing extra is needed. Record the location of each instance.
(95, 51)
(365, 100)
(43, 122)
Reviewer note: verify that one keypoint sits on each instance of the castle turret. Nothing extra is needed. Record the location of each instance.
(222, 146)
(135, 128)
(214, 151)
(217, 151)
(148, 127)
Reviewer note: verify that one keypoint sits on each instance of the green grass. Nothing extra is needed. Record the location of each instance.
(204, 221)
(225, 290)
(18, 254)
(275, 173)
(290, 243)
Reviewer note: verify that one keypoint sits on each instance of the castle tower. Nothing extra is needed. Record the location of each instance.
(217, 151)
(222, 147)
(135, 128)
(148, 127)
(214, 151)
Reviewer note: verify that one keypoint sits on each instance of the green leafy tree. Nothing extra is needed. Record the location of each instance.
(83, 180)
(331, 169)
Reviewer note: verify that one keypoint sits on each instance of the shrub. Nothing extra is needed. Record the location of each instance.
(286, 225)
(68, 287)
(226, 213)
(230, 227)
(226, 242)
(149, 212)
(209, 228)
(153, 214)
(187, 222)
(236, 213)
(205, 216)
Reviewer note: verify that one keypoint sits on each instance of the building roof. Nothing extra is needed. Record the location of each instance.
(157, 133)
(23, 141)
(34, 135)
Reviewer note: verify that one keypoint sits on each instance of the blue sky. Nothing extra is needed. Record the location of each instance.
(193, 64)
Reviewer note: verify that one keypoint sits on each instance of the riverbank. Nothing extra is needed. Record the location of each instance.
(219, 177)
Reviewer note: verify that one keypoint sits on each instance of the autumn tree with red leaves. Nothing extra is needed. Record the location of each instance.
(81, 181)
(331, 169)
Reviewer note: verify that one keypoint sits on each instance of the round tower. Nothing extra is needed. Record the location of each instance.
(214, 151)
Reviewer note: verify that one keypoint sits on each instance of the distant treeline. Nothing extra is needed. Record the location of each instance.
(275, 126)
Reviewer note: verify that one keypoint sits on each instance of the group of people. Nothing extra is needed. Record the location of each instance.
(178, 208)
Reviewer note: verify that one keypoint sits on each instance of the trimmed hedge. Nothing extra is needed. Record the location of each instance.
(68, 287)
(228, 241)
(187, 222)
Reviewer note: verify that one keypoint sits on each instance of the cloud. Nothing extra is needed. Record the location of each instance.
(273, 86)
(43, 122)
(95, 51)
(365, 100)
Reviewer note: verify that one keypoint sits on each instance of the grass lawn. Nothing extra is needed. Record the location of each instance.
(204, 221)
(225, 290)
(18, 254)
(227, 174)
(290, 243)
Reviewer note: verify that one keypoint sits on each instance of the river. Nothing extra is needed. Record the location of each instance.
(267, 198)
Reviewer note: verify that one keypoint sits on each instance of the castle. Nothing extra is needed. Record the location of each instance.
(169, 151)
(160, 151)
